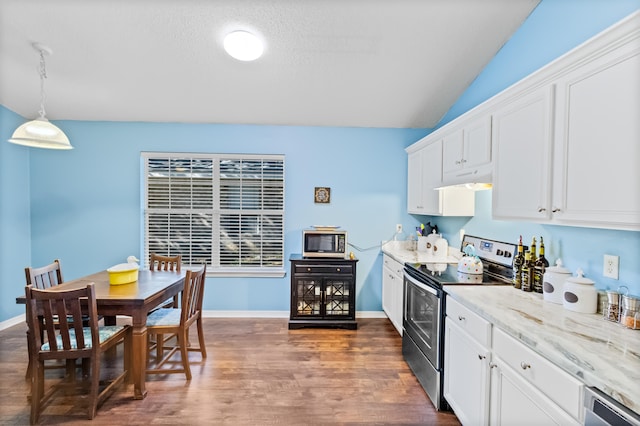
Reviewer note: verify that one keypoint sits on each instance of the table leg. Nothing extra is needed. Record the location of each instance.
(139, 359)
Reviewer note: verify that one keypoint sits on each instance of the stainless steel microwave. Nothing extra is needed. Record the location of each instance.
(324, 243)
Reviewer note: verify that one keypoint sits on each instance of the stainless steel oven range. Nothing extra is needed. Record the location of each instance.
(423, 317)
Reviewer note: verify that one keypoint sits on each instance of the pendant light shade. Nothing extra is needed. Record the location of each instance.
(40, 133)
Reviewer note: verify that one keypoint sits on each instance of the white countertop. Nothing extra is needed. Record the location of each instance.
(400, 251)
(600, 353)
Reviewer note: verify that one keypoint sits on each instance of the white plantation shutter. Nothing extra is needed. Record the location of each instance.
(223, 210)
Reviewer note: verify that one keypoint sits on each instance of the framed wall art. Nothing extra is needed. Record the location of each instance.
(322, 195)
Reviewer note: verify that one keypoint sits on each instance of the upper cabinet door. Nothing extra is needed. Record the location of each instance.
(477, 143)
(522, 141)
(466, 152)
(596, 178)
(452, 152)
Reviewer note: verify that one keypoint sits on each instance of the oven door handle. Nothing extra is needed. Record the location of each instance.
(420, 285)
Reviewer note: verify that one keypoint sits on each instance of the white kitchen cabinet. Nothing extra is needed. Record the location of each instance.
(466, 364)
(567, 151)
(424, 176)
(392, 290)
(522, 143)
(526, 389)
(491, 378)
(596, 178)
(466, 152)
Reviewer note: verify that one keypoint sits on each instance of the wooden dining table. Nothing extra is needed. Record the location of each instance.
(134, 300)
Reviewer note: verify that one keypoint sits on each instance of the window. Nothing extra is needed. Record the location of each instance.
(224, 210)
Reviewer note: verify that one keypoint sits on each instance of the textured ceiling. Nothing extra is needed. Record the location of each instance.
(356, 63)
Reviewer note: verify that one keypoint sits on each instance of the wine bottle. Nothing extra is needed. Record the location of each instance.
(527, 272)
(537, 278)
(518, 261)
(541, 265)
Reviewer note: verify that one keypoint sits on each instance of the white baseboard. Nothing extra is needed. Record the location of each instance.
(13, 321)
(277, 314)
(220, 314)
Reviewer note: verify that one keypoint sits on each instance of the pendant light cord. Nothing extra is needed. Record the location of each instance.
(43, 74)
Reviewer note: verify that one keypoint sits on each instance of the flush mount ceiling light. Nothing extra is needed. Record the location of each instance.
(40, 133)
(243, 46)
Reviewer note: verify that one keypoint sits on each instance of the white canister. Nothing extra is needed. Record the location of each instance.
(553, 282)
(422, 245)
(431, 242)
(580, 294)
(440, 247)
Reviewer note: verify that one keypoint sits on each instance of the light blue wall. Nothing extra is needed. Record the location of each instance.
(15, 233)
(85, 203)
(554, 27)
(83, 206)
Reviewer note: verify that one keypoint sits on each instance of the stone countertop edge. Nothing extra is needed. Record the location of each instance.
(600, 353)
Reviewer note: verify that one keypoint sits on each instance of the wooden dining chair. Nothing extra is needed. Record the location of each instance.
(69, 340)
(159, 262)
(176, 323)
(42, 278)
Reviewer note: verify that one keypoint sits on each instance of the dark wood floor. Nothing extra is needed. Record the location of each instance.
(257, 373)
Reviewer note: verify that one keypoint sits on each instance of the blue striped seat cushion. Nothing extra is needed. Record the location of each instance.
(105, 333)
(164, 317)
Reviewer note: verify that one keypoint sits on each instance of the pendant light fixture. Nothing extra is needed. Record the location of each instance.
(40, 133)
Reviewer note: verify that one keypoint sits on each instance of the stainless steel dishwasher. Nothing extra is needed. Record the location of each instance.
(601, 410)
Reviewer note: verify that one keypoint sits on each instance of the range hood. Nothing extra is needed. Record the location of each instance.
(476, 179)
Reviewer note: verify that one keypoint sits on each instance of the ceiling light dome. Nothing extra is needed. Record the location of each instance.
(243, 46)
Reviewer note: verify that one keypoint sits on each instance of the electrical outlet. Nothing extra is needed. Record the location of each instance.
(398, 228)
(611, 264)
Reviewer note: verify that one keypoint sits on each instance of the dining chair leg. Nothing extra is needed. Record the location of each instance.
(203, 348)
(27, 375)
(37, 390)
(159, 346)
(184, 353)
(95, 382)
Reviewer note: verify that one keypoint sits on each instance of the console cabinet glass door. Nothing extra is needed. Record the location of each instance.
(323, 297)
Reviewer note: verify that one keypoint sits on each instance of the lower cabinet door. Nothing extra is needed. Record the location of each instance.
(514, 401)
(466, 376)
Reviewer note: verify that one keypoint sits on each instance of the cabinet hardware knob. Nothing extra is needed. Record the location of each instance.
(461, 318)
(459, 162)
(308, 269)
(541, 209)
(492, 365)
(463, 161)
(524, 365)
(338, 269)
(481, 357)
(555, 210)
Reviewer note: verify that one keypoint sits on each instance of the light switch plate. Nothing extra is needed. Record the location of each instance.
(611, 265)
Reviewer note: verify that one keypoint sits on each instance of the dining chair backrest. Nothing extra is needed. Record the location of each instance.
(61, 334)
(193, 294)
(46, 276)
(165, 263)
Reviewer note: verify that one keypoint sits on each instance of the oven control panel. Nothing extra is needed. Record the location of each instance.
(494, 251)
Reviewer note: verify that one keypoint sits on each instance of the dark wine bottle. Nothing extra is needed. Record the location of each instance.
(518, 262)
(541, 264)
(527, 272)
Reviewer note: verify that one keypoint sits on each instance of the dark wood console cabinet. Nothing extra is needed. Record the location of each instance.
(323, 293)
